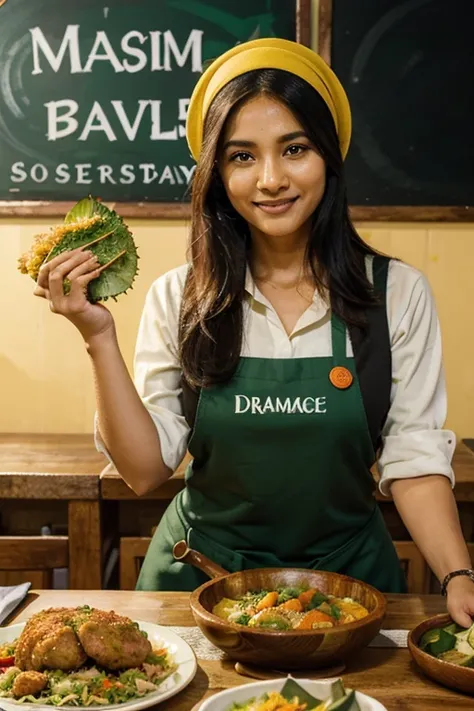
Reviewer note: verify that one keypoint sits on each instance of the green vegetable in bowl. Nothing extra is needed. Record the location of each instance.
(450, 643)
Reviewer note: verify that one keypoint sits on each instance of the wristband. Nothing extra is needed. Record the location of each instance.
(464, 571)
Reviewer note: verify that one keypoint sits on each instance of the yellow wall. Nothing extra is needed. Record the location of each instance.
(45, 378)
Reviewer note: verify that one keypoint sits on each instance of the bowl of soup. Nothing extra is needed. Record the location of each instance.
(287, 618)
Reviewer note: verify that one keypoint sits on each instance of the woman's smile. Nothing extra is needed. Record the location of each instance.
(276, 207)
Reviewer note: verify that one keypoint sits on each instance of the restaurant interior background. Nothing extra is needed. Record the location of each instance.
(45, 375)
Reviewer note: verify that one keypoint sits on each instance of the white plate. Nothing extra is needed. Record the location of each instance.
(321, 689)
(159, 637)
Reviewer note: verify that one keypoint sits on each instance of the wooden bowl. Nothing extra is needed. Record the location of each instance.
(294, 649)
(445, 673)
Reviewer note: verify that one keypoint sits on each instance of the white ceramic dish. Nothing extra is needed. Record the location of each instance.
(320, 689)
(159, 637)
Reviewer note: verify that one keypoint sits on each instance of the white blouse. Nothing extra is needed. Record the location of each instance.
(414, 443)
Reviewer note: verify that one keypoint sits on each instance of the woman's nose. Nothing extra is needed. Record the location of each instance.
(272, 176)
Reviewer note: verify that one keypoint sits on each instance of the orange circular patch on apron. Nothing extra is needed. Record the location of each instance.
(340, 377)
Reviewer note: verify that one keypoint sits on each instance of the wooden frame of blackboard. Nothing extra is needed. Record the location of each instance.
(143, 210)
(398, 213)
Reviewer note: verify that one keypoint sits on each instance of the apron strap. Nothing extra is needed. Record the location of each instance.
(372, 353)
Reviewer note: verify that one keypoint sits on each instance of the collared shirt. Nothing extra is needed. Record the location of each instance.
(414, 443)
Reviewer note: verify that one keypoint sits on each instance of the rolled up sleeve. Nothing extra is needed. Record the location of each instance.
(414, 442)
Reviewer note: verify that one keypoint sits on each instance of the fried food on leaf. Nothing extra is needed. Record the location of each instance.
(103, 231)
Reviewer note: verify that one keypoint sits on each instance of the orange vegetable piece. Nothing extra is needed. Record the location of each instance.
(269, 600)
(306, 596)
(293, 604)
(314, 617)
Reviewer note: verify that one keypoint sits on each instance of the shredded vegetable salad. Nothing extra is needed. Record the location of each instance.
(90, 685)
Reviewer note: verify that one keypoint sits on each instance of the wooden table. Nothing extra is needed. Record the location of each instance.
(386, 674)
(113, 487)
(65, 467)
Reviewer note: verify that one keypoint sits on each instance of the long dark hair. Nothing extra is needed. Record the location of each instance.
(211, 319)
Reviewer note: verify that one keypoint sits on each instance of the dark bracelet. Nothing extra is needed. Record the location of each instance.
(464, 571)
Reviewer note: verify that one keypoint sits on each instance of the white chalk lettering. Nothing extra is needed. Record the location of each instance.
(69, 42)
(102, 42)
(182, 116)
(193, 46)
(164, 52)
(155, 45)
(55, 119)
(149, 172)
(18, 173)
(156, 133)
(83, 170)
(188, 172)
(39, 173)
(130, 129)
(128, 176)
(136, 52)
(167, 175)
(63, 175)
(97, 114)
(106, 174)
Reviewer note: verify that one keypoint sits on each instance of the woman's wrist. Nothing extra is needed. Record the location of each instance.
(100, 341)
(457, 579)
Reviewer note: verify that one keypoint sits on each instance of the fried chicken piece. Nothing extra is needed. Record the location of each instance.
(50, 642)
(59, 650)
(29, 682)
(112, 640)
(63, 638)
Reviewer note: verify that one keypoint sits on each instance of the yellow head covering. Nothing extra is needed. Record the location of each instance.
(268, 53)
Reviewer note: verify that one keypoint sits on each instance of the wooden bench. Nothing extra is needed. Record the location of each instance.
(53, 467)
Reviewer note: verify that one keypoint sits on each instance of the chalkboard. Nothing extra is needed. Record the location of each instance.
(93, 95)
(408, 68)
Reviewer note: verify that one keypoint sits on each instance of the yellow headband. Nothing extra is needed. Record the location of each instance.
(268, 53)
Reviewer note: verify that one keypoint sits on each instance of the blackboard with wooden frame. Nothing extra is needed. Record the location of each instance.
(93, 96)
(407, 68)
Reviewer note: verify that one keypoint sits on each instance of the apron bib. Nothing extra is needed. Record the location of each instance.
(280, 478)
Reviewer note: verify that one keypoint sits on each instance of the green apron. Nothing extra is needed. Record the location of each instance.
(280, 478)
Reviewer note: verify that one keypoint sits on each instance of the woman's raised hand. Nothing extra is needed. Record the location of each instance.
(79, 267)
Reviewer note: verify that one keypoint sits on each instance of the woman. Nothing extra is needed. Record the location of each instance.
(282, 357)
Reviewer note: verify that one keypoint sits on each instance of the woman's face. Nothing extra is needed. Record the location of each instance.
(272, 173)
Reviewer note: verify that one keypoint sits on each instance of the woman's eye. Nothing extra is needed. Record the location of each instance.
(241, 157)
(296, 150)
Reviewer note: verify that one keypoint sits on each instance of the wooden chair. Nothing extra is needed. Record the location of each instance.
(32, 558)
(132, 553)
(416, 569)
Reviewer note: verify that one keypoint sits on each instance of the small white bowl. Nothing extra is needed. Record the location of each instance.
(321, 689)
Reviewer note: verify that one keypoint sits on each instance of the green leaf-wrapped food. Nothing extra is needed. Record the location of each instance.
(90, 223)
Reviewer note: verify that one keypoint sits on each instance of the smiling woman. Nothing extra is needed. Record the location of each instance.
(283, 311)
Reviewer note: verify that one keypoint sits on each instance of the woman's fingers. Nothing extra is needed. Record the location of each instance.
(77, 256)
(86, 267)
(43, 293)
(63, 270)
